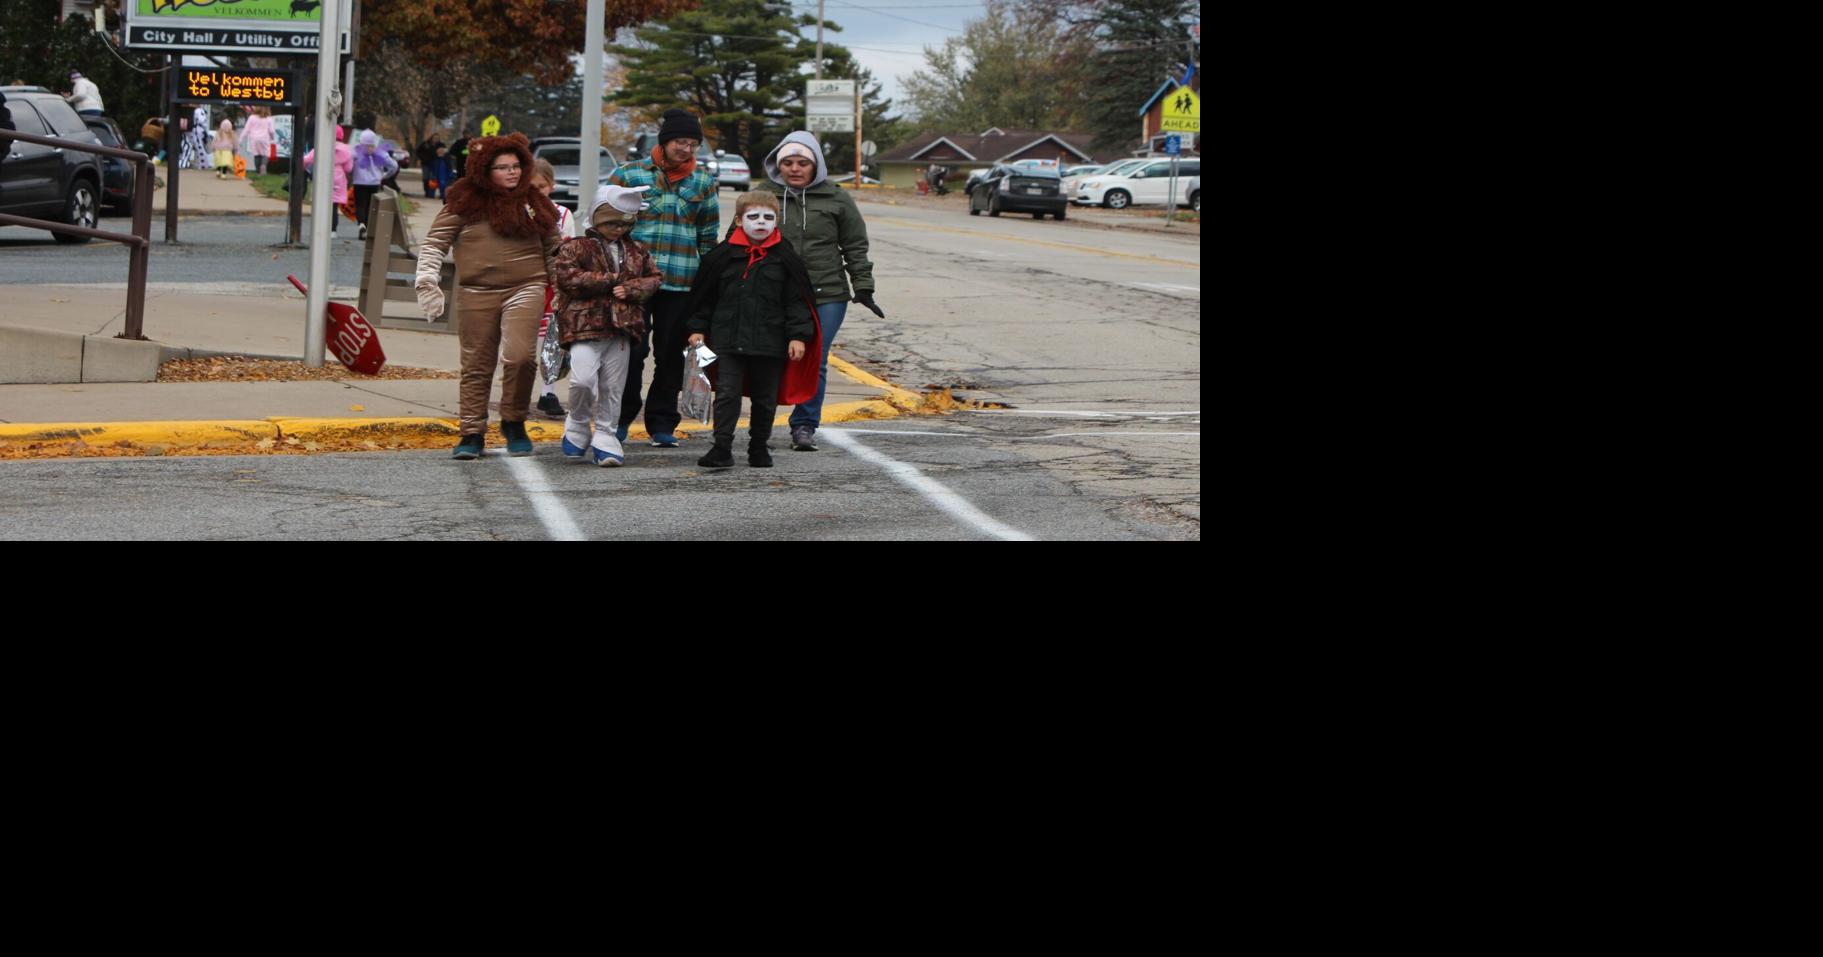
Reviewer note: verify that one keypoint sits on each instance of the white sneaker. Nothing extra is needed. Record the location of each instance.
(607, 451)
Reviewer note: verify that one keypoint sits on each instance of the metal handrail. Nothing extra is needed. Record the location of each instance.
(140, 242)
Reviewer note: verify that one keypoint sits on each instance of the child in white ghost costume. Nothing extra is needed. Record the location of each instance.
(602, 277)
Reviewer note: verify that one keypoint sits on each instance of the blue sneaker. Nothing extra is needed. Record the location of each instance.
(573, 451)
(664, 440)
(606, 459)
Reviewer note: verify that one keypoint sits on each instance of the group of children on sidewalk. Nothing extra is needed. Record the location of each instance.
(750, 303)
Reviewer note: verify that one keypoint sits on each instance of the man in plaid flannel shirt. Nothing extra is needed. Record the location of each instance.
(679, 225)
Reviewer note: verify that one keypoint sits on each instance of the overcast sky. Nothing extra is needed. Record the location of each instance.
(889, 36)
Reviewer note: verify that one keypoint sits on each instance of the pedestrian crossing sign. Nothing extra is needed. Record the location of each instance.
(1183, 112)
(490, 126)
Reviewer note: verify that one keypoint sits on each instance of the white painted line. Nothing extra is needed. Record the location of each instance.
(1018, 438)
(1066, 435)
(1091, 415)
(1164, 286)
(545, 503)
(935, 492)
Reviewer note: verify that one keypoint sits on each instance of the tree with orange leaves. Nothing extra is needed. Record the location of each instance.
(537, 38)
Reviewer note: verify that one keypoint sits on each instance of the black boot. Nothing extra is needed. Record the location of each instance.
(719, 457)
(758, 455)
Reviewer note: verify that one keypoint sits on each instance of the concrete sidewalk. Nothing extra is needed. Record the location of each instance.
(187, 322)
(201, 194)
(239, 316)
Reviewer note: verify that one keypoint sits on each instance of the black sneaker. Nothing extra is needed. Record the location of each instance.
(758, 457)
(549, 405)
(469, 447)
(803, 440)
(517, 442)
(719, 457)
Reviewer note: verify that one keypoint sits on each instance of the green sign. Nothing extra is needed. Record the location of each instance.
(287, 11)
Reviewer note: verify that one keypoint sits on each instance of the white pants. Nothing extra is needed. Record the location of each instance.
(598, 375)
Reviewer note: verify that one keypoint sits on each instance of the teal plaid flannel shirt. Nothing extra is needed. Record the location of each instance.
(682, 223)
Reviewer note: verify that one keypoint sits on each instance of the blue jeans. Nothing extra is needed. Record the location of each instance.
(810, 414)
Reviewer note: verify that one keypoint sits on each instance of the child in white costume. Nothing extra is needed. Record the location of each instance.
(602, 279)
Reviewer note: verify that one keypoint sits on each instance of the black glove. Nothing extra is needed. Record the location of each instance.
(867, 299)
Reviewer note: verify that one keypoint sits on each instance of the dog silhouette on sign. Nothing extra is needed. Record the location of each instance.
(304, 6)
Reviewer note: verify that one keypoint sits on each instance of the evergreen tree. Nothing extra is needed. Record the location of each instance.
(740, 65)
(1136, 45)
(35, 48)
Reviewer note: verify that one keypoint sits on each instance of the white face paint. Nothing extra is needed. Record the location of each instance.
(759, 223)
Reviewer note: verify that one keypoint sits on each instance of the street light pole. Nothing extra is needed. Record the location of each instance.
(819, 39)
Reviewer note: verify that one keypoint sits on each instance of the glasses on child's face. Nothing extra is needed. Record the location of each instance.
(507, 169)
(761, 217)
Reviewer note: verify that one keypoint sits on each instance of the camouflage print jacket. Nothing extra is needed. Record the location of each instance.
(585, 278)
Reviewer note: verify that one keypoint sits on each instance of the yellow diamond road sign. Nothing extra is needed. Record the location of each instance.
(1183, 112)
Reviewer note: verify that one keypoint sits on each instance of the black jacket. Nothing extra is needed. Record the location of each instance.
(756, 315)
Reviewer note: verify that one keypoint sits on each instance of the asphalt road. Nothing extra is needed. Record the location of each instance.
(1088, 339)
(957, 478)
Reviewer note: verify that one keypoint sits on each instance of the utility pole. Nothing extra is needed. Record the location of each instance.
(819, 39)
(589, 175)
(322, 205)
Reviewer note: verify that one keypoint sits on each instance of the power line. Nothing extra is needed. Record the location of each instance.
(934, 26)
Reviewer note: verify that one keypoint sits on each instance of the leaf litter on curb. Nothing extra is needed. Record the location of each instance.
(243, 369)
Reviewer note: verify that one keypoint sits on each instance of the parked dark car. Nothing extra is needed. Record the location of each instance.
(117, 174)
(1035, 190)
(43, 182)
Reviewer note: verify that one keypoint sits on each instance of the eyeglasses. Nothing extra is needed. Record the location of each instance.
(507, 169)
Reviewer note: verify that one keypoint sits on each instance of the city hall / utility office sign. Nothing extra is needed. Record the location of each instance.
(269, 27)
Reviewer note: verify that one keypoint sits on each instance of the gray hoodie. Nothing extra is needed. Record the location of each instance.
(822, 223)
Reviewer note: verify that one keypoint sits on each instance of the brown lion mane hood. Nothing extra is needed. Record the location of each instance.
(475, 196)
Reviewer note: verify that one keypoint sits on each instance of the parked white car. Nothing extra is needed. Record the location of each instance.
(1112, 169)
(1148, 184)
(734, 172)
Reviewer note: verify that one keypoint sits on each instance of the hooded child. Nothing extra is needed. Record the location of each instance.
(372, 166)
(502, 234)
(752, 305)
(602, 278)
(344, 168)
(225, 146)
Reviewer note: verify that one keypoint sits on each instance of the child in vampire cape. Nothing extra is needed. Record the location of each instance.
(752, 304)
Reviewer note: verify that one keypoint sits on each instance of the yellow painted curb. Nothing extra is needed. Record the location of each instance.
(854, 372)
(230, 432)
(306, 428)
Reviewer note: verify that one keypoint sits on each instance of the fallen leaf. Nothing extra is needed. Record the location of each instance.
(265, 444)
(311, 446)
(60, 300)
(357, 408)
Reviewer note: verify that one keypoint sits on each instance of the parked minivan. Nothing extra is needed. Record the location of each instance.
(1146, 184)
(44, 182)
